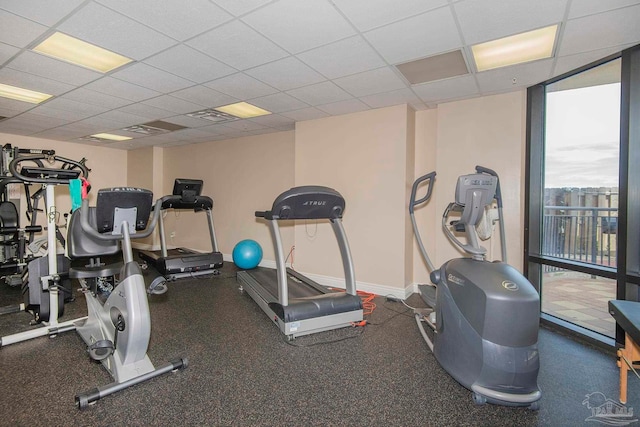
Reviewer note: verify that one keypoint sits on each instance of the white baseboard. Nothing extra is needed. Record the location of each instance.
(336, 282)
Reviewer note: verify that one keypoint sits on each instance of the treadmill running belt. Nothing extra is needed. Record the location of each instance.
(268, 278)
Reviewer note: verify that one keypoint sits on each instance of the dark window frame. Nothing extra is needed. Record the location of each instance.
(627, 273)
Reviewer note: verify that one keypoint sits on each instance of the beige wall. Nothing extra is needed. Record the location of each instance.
(487, 131)
(364, 156)
(144, 170)
(108, 167)
(371, 157)
(242, 176)
(426, 216)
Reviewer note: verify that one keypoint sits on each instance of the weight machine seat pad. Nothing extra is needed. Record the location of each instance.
(316, 306)
(627, 314)
(93, 272)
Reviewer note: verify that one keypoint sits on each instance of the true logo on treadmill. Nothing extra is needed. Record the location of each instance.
(315, 203)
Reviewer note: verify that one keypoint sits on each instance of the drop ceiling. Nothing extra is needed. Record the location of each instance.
(299, 59)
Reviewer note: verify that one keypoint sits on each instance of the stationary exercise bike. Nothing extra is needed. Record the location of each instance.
(483, 316)
(118, 326)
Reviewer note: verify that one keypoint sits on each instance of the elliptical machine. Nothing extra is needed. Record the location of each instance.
(483, 315)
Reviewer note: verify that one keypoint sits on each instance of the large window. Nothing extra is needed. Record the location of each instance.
(582, 193)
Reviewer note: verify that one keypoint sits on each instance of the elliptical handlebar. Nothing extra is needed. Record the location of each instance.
(67, 165)
(86, 225)
(498, 198)
(498, 195)
(414, 189)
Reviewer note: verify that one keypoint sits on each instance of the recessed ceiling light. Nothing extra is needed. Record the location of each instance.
(78, 52)
(244, 110)
(523, 47)
(110, 137)
(21, 94)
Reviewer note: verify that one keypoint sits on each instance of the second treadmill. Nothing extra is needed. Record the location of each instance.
(297, 304)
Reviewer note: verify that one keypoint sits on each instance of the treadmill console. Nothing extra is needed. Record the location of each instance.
(306, 202)
(187, 189)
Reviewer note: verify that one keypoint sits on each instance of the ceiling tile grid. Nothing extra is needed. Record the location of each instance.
(300, 60)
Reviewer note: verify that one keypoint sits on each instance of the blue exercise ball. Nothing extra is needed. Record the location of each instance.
(247, 254)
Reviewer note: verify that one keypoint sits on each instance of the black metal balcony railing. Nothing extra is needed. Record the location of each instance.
(586, 234)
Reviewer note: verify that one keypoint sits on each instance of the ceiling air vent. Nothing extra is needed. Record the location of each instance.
(436, 67)
(154, 128)
(213, 115)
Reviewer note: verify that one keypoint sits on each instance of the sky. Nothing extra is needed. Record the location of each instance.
(582, 137)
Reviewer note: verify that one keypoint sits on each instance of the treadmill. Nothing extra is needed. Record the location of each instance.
(179, 263)
(297, 304)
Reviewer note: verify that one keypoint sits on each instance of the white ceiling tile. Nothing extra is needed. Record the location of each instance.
(349, 56)
(237, 45)
(371, 82)
(368, 14)
(590, 7)
(18, 127)
(124, 118)
(96, 98)
(8, 112)
(287, 73)
(70, 116)
(300, 25)
(38, 121)
(189, 63)
(6, 52)
(607, 29)
(457, 87)
(240, 7)
(417, 37)
(245, 125)
(101, 26)
(110, 86)
(147, 76)
(241, 86)
(502, 79)
(274, 120)
(204, 96)
(176, 18)
(102, 123)
(175, 105)
(59, 134)
(344, 107)
(47, 12)
(387, 99)
(29, 81)
(564, 64)
(41, 65)
(278, 103)
(211, 130)
(17, 31)
(305, 114)
(147, 111)
(320, 93)
(14, 105)
(75, 106)
(483, 20)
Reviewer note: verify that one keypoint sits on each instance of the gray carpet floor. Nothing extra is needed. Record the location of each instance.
(242, 372)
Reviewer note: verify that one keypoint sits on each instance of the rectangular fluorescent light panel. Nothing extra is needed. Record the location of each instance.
(21, 94)
(110, 137)
(78, 52)
(243, 110)
(517, 49)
